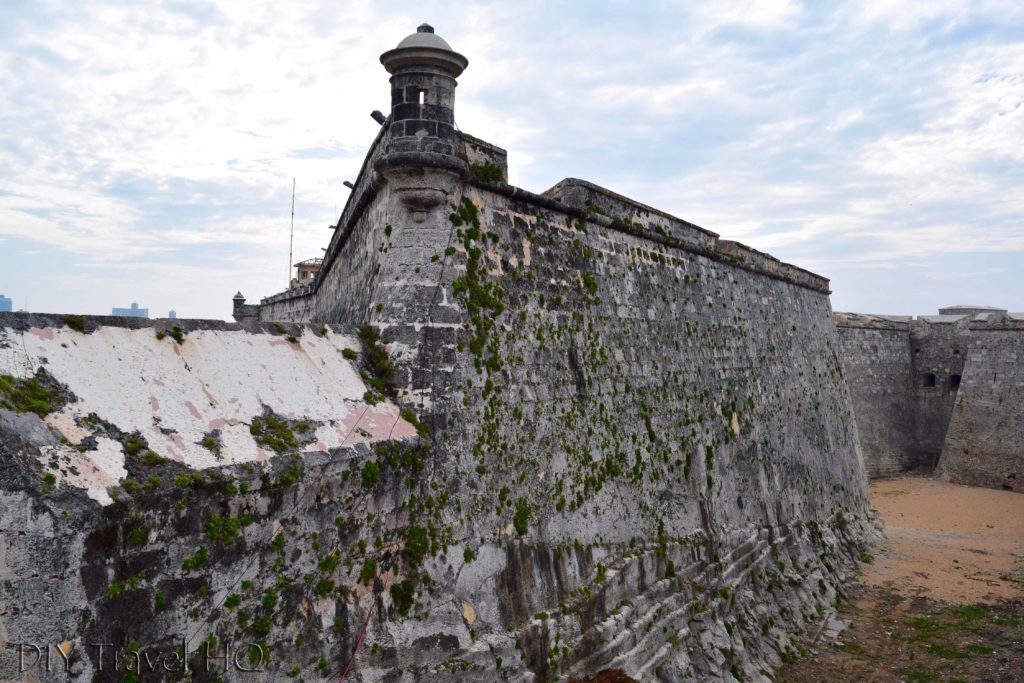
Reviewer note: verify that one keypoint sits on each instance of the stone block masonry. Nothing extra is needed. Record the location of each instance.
(984, 444)
(876, 363)
(939, 385)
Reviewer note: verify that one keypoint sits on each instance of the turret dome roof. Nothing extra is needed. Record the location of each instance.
(424, 37)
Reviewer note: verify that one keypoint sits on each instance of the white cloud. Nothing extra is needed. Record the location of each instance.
(757, 13)
(141, 135)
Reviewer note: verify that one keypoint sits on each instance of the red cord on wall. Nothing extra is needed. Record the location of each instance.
(359, 643)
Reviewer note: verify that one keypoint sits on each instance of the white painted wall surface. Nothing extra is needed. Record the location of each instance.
(175, 394)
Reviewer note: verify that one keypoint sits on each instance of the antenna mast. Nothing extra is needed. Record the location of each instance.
(291, 238)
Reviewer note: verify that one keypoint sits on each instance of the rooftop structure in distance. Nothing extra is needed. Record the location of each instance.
(306, 272)
(132, 312)
(970, 310)
(6, 305)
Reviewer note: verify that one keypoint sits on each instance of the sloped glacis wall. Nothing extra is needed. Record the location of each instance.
(644, 435)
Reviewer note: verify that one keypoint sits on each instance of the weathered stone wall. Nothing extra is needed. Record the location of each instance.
(192, 483)
(622, 415)
(359, 233)
(480, 153)
(642, 456)
(937, 357)
(876, 359)
(608, 376)
(984, 444)
(937, 385)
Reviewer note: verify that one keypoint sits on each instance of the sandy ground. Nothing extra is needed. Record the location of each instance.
(959, 544)
(943, 598)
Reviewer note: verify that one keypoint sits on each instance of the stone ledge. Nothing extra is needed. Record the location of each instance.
(24, 321)
(706, 243)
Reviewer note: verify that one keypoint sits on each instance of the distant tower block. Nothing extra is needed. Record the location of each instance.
(423, 70)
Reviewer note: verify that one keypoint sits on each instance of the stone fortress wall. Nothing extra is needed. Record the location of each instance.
(604, 362)
(618, 400)
(938, 393)
(634, 445)
(984, 443)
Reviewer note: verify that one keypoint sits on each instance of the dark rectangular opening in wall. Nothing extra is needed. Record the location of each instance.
(954, 382)
(928, 379)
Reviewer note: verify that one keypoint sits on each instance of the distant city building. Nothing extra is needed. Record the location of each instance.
(172, 313)
(6, 305)
(306, 273)
(133, 312)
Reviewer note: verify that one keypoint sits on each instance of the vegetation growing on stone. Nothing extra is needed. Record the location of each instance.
(487, 172)
(263, 624)
(75, 322)
(138, 536)
(368, 571)
(521, 519)
(225, 529)
(118, 587)
(133, 444)
(370, 474)
(380, 373)
(409, 416)
(482, 299)
(417, 545)
(186, 480)
(403, 594)
(291, 475)
(32, 395)
(196, 560)
(279, 434)
(151, 459)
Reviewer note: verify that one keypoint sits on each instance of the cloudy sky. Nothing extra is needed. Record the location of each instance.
(147, 149)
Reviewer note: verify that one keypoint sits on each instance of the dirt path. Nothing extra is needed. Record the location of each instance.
(943, 599)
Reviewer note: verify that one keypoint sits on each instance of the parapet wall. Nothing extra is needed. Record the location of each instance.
(574, 199)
